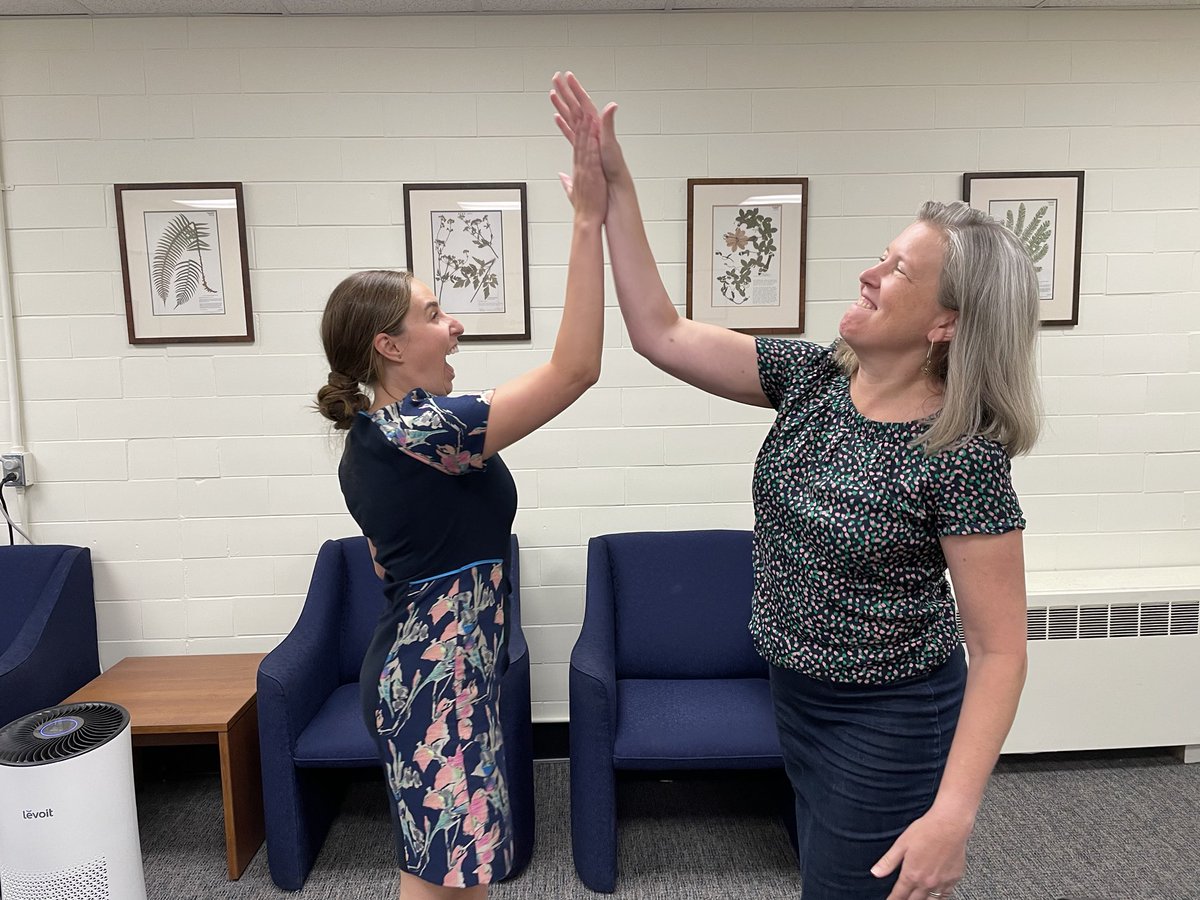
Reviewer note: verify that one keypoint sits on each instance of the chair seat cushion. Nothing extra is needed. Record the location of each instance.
(337, 737)
(695, 723)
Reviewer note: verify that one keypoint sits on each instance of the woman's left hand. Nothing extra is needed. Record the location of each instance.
(931, 855)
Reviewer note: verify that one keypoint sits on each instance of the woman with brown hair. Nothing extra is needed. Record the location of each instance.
(422, 477)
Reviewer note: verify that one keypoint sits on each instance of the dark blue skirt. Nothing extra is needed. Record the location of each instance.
(865, 762)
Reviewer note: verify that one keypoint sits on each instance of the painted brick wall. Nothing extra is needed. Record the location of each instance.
(204, 483)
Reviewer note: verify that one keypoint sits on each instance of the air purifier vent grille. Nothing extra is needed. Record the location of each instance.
(59, 733)
(88, 881)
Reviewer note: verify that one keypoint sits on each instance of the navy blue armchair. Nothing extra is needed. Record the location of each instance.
(310, 719)
(47, 626)
(664, 675)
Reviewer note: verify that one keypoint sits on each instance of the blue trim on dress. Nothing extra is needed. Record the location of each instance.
(479, 562)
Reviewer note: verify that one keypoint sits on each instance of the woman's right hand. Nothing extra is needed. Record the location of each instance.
(586, 188)
(570, 102)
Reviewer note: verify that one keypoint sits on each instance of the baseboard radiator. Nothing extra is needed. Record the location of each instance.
(1111, 670)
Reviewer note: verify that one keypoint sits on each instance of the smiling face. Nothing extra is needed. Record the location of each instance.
(897, 311)
(428, 337)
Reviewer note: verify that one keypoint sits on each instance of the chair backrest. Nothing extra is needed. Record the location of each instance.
(365, 601)
(681, 604)
(27, 573)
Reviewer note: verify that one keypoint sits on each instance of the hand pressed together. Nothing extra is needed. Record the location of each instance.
(586, 186)
(573, 105)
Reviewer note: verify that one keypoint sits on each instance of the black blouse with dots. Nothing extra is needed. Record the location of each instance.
(850, 579)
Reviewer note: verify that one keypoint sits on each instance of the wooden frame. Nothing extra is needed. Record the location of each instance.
(184, 262)
(470, 244)
(747, 240)
(1045, 210)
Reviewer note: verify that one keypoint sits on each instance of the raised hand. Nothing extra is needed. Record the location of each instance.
(587, 188)
(570, 102)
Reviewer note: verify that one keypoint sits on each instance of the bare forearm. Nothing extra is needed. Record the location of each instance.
(581, 332)
(645, 304)
(994, 683)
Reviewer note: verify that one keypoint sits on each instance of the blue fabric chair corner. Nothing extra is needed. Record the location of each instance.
(48, 646)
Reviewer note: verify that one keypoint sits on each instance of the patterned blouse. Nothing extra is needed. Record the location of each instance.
(850, 578)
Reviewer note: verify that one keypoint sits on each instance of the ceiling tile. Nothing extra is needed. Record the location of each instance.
(376, 7)
(569, 6)
(180, 7)
(41, 8)
(752, 5)
(946, 4)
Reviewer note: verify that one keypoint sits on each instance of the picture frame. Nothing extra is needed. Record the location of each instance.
(184, 262)
(470, 243)
(1045, 210)
(747, 245)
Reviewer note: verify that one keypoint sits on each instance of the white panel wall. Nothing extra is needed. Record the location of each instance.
(203, 482)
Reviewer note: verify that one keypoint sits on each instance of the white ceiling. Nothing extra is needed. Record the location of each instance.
(403, 7)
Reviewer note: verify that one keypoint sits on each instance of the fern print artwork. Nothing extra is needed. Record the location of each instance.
(745, 255)
(1033, 221)
(468, 260)
(185, 263)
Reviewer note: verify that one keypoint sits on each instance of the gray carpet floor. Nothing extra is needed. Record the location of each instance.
(1109, 827)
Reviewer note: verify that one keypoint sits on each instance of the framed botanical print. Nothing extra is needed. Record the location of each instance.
(469, 243)
(1044, 210)
(184, 262)
(746, 249)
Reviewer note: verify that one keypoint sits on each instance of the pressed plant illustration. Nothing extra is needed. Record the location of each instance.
(749, 249)
(1035, 234)
(178, 260)
(466, 259)
(1032, 221)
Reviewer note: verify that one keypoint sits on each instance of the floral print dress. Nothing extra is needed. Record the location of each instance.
(414, 478)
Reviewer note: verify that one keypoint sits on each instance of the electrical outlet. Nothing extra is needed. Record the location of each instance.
(19, 463)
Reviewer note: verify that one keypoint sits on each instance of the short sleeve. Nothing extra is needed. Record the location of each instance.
(444, 432)
(790, 367)
(973, 487)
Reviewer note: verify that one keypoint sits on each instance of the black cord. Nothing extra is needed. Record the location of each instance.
(8, 479)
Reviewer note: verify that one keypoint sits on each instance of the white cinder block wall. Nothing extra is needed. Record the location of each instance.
(204, 484)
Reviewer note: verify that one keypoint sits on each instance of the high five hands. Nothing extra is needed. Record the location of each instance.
(574, 110)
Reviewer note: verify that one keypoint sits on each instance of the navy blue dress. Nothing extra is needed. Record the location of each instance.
(415, 481)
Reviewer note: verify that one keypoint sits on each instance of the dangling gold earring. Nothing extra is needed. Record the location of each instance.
(927, 366)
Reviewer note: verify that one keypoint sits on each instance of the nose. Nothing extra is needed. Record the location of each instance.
(456, 327)
(870, 275)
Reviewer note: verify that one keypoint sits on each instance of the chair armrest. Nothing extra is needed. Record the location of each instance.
(594, 653)
(298, 676)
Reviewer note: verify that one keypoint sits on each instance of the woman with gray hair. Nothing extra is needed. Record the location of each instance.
(886, 466)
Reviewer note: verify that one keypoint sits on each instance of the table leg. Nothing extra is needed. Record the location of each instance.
(241, 790)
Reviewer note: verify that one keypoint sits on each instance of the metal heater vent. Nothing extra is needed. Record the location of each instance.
(1117, 620)
(87, 881)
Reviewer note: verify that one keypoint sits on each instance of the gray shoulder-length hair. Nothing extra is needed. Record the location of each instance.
(988, 368)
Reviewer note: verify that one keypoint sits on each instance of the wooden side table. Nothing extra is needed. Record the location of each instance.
(198, 700)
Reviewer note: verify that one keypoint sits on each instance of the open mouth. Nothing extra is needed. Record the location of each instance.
(865, 303)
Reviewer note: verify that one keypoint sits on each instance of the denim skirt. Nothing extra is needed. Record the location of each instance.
(864, 761)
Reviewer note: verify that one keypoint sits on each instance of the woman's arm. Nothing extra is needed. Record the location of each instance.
(988, 572)
(531, 400)
(714, 359)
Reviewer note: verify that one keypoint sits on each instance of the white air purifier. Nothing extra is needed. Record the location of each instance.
(68, 816)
